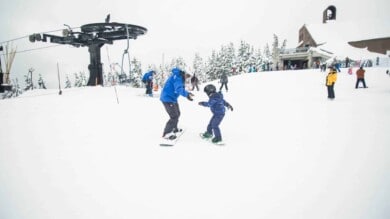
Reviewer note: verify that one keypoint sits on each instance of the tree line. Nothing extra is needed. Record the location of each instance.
(228, 59)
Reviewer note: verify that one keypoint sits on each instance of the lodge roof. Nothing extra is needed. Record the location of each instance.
(334, 36)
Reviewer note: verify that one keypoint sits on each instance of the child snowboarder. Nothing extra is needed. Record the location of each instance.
(217, 106)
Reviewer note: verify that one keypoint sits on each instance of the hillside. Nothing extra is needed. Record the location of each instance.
(289, 153)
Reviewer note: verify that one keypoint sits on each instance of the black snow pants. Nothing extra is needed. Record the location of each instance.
(173, 111)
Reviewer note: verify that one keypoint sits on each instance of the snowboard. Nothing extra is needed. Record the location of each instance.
(169, 143)
(154, 95)
(221, 143)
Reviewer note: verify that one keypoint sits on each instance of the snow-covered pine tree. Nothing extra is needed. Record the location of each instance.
(178, 62)
(243, 56)
(68, 84)
(267, 58)
(78, 80)
(27, 80)
(41, 82)
(136, 73)
(228, 58)
(212, 66)
(258, 60)
(16, 90)
(110, 79)
(199, 68)
(276, 51)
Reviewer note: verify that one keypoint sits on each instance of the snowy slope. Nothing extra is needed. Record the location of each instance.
(289, 153)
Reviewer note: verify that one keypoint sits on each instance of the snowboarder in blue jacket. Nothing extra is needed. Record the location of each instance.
(173, 88)
(147, 79)
(217, 106)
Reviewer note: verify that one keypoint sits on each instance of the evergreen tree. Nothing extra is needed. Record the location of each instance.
(212, 67)
(199, 68)
(84, 79)
(227, 58)
(267, 58)
(276, 50)
(244, 56)
(179, 63)
(15, 92)
(80, 79)
(136, 73)
(68, 84)
(164, 73)
(258, 63)
(41, 82)
(28, 81)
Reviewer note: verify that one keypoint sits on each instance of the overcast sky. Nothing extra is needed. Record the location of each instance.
(175, 27)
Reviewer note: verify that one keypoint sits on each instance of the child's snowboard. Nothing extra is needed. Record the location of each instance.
(221, 143)
(169, 143)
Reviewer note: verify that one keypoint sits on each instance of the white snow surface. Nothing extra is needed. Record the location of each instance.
(289, 153)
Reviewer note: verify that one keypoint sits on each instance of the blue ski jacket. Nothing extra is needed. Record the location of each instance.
(174, 87)
(148, 76)
(216, 103)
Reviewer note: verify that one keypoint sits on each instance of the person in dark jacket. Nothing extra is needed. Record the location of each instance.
(147, 79)
(195, 82)
(173, 88)
(217, 106)
(224, 81)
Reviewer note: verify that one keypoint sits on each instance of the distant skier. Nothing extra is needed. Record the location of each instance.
(217, 106)
(224, 81)
(147, 79)
(331, 79)
(173, 88)
(194, 82)
(360, 77)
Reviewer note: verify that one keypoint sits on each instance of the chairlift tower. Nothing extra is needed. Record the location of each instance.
(94, 36)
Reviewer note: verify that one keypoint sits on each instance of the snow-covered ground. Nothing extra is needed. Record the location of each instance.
(289, 153)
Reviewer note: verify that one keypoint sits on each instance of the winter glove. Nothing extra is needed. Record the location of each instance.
(189, 96)
(229, 107)
(202, 103)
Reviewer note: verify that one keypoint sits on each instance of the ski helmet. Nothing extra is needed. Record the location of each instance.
(210, 89)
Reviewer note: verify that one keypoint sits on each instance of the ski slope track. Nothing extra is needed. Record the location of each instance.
(289, 153)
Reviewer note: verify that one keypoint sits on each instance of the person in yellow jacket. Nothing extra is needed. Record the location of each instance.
(331, 79)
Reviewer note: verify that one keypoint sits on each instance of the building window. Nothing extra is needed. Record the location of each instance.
(329, 14)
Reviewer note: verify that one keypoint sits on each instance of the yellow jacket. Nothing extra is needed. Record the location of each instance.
(331, 78)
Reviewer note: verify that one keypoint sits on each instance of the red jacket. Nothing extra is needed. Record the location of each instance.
(360, 73)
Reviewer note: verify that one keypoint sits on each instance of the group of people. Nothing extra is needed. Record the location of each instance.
(175, 87)
(331, 79)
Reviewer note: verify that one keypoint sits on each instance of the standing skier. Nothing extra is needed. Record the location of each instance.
(173, 88)
(224, 81)
(217, 106)
(331, 79)
(195, 82)
(147, 79)
(360, 77)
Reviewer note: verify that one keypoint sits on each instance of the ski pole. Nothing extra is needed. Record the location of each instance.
(116, 94)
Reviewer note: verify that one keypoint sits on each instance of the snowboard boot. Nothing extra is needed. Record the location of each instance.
(207, 135)
(170, 136)
(177, 130)
(216, 140)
